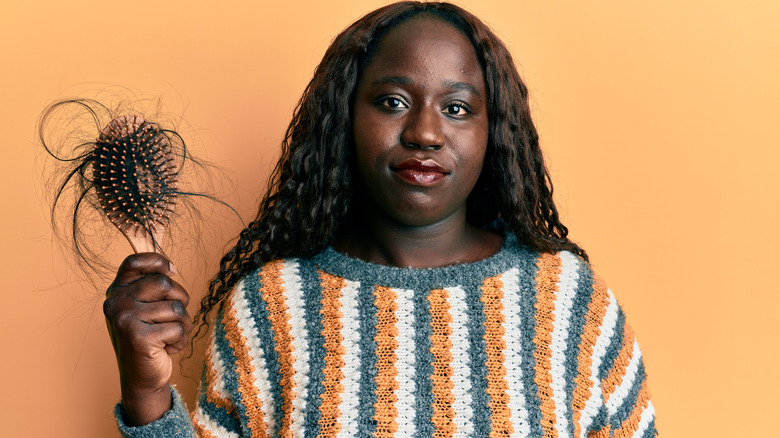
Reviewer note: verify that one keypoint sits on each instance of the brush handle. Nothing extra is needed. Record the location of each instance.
(140, 240)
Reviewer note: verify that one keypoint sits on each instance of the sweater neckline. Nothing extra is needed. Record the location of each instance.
(341, 265)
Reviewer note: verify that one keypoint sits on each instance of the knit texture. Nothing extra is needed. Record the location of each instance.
(519, 344)
(174, 424)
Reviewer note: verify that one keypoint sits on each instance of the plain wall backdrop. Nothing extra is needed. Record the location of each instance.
(660, 122)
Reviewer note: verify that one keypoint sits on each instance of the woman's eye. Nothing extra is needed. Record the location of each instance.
(456, 109)
(393, 103)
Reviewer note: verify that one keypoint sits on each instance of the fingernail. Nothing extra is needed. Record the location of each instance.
(172, 268)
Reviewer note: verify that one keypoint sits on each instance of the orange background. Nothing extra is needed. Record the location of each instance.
(660, 121)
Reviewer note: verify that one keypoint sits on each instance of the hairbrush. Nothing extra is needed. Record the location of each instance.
(135, 178)
(116, 165)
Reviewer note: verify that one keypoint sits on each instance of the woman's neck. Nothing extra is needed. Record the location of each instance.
(448, 242)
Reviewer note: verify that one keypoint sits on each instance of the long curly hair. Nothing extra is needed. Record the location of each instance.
(310, 192)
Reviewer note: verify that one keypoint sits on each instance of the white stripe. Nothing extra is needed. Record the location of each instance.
(644, 421)
(628, 381)
(350, 324)
(461, 364)
(258, 359)
(218, 365)
(210, 425)
(405, 363)
(291, 282)
(567, 287)
(599, 351)
(514, 353)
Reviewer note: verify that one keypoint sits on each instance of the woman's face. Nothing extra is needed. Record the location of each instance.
(420, 123)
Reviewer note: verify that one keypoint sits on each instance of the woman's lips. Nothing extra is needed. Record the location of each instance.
(419, 172)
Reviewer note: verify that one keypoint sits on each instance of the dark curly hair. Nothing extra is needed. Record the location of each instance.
(310, 192)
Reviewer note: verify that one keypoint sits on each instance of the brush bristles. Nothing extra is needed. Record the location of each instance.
(135, 174)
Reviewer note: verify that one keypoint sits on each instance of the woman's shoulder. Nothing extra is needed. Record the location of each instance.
(565, 273)
(272, 268)
(562, 263)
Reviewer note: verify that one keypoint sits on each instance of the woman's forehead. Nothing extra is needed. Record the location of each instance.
(425, 45)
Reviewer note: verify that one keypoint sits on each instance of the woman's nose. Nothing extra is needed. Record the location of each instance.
(423, 129)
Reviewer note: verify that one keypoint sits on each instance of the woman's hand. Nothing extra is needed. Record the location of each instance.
(147, 319)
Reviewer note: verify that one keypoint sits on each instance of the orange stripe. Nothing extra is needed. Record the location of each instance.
(334, 355)
(441, 347)
(492, 294)
(200, 429)
(622, 360)
(593, 320)
(601, 433)
(212, 395)
(631, 424)
(250, 396)
(547, 287)
(386, 373)
(273, 294)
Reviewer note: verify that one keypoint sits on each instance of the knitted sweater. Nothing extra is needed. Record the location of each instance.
(519, 344)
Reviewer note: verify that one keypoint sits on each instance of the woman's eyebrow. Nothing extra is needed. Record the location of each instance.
(403, 80)
(399, 80)
(463, 86)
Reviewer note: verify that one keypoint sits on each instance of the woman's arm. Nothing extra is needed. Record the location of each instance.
(624, 386)
(147, 319)
(215, 413)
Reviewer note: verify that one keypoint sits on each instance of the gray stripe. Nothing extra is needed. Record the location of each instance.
(423, 393)
(614, 346)
(258, 311)
(479, 397)
(582, 299)
(650, 432)
(230, 377)
(600, 421)
(217, 413)
(367, 344)
(528, 295)
(312, 299)
(625, 409)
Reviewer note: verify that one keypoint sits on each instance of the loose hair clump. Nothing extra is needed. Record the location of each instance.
(79, 136)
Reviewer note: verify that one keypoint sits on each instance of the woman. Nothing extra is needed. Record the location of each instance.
(406, 274)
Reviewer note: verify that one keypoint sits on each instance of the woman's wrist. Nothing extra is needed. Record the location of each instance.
(145, 407)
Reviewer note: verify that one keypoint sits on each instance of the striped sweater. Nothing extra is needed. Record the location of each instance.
(520, 344)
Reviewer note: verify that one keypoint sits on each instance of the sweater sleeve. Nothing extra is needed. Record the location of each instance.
(627, 404)
(175, 423)
(216, 413)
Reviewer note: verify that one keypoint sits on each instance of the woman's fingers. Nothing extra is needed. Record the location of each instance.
(147, 319)
(149, 339)
(163, 311)
(170, 323)
(157, 287)
(174, 335)
(142, 278)
(140, 265)
(123, 311)
(146, 324)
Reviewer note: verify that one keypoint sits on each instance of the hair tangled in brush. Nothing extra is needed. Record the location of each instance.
(135, 176)
(310, 198)
(113, 165)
